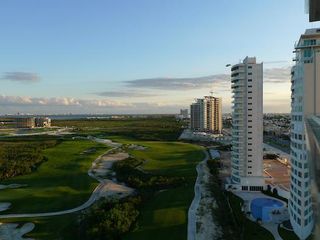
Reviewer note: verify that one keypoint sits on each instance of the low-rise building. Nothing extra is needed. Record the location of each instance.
(25, 122)
(42, 122)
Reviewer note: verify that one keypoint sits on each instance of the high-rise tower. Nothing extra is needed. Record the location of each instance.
(206, 114)
(305, 102)
(247, 129)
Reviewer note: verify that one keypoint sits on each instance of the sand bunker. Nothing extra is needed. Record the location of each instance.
(104, 164)
(12, 231)
(137, 147)
(14, 185)
(112, 189)
(4, 206)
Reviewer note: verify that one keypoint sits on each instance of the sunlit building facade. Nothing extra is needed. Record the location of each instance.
(206, 115)
(247, 125)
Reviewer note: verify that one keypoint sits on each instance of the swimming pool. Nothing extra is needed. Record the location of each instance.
(262, 208)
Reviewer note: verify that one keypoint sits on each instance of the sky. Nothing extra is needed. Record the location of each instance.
(141, 56)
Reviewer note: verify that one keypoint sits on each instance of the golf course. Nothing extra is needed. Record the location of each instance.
(62, 182)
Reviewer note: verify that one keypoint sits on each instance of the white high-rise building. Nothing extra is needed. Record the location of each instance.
(247, 125)
(305, 101)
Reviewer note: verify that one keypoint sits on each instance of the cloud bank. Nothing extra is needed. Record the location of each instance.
(62, 105)
(58, 101)
(26, 77)
(277, 75)
(115, 94)
(221, 81)
(178, 83)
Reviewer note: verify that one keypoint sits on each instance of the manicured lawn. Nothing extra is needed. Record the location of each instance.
(60, 183)
(170, 158)
(164, 216)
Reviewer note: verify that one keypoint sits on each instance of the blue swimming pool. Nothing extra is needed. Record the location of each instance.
(263, 207)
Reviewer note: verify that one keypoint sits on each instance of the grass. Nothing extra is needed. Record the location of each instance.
(164, 216)
(155, 129)
(170, 158)
(50, 228)
(60, 183)
(64, 177)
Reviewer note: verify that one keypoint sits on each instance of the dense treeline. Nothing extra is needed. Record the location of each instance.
(161, 128)
(21, 158)
(109, 219)
(128, 171)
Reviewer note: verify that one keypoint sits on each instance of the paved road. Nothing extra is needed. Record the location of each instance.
(192, 226)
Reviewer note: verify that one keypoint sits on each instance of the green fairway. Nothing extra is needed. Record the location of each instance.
(164, 216)
(60, 183)
(169, 158)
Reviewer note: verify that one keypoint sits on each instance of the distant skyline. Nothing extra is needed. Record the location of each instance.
(141, 56)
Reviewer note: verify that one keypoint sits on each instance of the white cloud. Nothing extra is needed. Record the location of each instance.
(58, 101)
(277, 75)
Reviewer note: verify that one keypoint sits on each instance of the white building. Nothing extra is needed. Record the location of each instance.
(305, 101)
(247, 125)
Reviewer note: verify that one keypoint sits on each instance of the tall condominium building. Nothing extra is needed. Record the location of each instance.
(305, 101)
(314, 10)
(247, 125)
(313, 148)
(206, 114)
(197, 118)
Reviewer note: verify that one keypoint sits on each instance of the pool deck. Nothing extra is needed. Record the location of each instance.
(277, 173)
(271, 226)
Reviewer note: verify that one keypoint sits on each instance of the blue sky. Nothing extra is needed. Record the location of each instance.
(83, 56)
